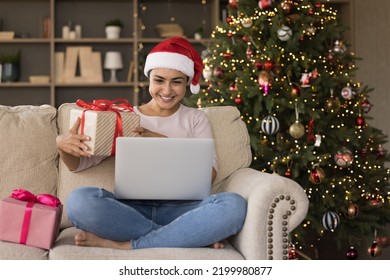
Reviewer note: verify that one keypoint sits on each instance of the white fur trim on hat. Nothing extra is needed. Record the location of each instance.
(169, 60)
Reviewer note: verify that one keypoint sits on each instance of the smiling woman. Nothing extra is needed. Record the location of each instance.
(171, 66)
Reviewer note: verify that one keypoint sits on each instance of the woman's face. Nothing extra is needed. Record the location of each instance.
(167, 88)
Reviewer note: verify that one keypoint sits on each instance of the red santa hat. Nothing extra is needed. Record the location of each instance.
(178, 54)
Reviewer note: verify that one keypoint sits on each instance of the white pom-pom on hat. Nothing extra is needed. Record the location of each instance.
(178, 54)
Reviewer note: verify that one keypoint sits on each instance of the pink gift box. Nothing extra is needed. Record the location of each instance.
(43, 227)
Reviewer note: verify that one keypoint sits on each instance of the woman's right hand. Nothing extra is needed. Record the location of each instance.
(72, 143)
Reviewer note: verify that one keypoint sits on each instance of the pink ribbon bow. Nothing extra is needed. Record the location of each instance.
(117, 105)
(24, 195)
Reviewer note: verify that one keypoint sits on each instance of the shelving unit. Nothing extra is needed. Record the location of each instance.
(38, 53)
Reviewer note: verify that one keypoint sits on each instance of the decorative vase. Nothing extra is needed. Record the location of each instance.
(10, 72)
(113, 32)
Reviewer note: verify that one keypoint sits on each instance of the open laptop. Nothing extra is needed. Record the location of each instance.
(163, 168)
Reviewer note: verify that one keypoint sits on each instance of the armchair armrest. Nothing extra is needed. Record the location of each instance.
(276, 205)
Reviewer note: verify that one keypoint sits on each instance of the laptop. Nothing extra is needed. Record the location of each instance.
(163, 168)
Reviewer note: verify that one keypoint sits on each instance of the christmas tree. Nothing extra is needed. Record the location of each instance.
(286, 66)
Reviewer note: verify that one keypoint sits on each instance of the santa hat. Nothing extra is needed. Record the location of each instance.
(178, 54)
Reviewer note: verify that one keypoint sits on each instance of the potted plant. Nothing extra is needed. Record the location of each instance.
(10, 66)
(113, 28)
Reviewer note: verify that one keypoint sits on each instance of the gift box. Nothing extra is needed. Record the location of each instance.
(30, 220)
(104, 121)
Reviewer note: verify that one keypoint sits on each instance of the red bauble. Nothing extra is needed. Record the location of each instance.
(296, 91)
(233, 3)
(288, 173)
(258, 65)
(238, 100)
(265, 4)
(268, 65)
(383, 241)
(230, 34)
(352, 254)
(375, 250)
(228, 55)
(360, 121)
(292, 253)
(366, 105)
(229, 19)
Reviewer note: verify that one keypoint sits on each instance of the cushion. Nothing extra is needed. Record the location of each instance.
(231, 140)
(28, 149)
(65, 249)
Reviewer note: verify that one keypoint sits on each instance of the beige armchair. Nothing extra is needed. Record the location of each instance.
(276, 205)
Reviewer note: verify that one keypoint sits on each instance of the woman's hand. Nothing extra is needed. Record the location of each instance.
(143, 132)
(72, 143)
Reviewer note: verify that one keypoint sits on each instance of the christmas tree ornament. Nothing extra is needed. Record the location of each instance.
(347, 93)
(249, 52)
(383, 240)
(360, 121)
(207, 73)
(339, 47)
(375, 200)
(238, 100)
(295, 91)
(380, 152)
(270, 125)
(352, 253)
(265, 4)
(330, 220)
(233, 3)
(375, 250)
(229, 19)
(264, 81)
(333, 103)
(366, 105)
(330, 57)
(318, 140)
(284, 33)
(343, 158)
(288, 171)
(305, 80)
(247, 22)
(352, 211)
(268, 65)
(218, 72)
(292, 252)
(287, 6)
(317, 174)
(311, 31)
(228, 55)
(233, 87)
(296, 130)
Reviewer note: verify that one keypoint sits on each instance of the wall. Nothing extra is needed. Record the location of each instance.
(372, 43)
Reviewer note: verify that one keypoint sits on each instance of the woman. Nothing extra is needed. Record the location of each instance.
(134, 224)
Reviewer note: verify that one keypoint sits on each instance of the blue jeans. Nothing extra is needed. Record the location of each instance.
(157, 223)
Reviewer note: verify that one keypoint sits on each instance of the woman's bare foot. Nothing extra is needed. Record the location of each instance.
(218, 245)
(88, 239)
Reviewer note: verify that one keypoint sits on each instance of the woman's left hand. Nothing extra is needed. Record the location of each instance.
(143, 132)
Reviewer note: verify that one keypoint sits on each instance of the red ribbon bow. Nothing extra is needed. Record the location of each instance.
(24, 195)
(117, 105)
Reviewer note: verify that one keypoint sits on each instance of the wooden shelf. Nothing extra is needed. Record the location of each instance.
(38, 54)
